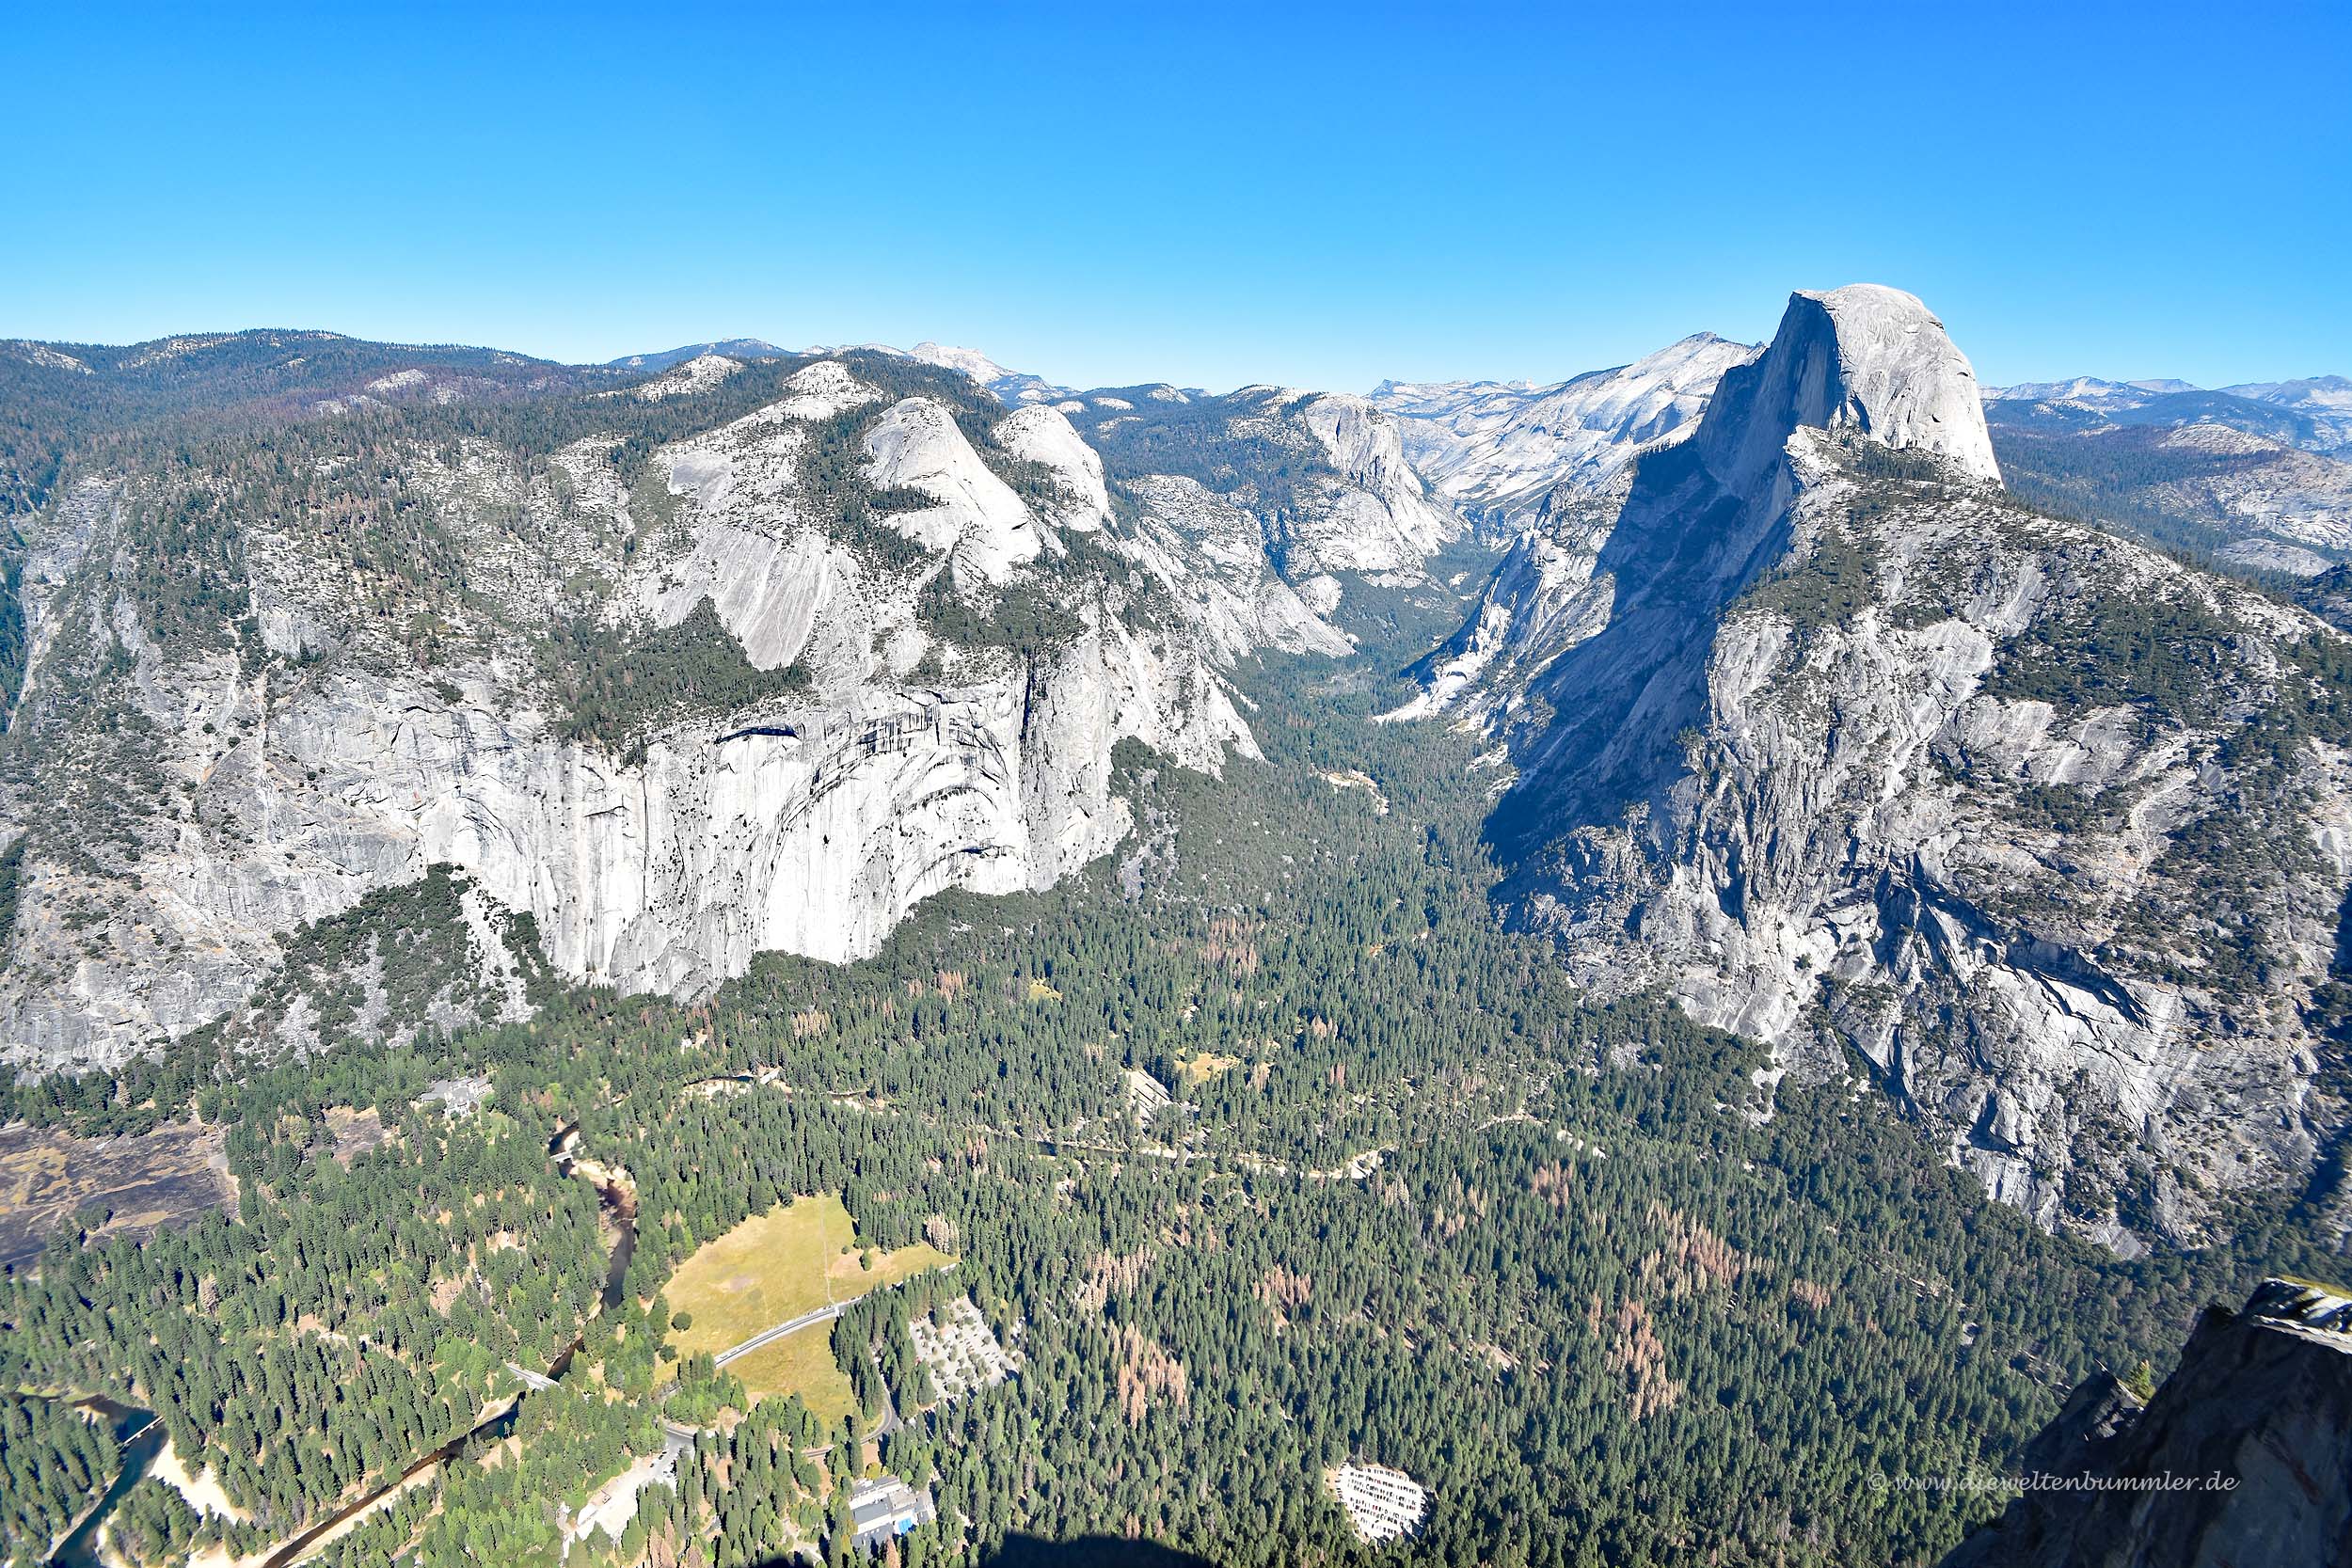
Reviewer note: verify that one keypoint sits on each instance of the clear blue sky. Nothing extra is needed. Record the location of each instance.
(1112, 192)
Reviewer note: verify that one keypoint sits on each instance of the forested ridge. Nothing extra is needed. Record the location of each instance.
(1417, 1202)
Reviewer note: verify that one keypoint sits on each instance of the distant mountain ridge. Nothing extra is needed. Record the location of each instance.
(2257, 476)
(1498, 449)
(2313, 412)
(731, 348)
(1013, 387)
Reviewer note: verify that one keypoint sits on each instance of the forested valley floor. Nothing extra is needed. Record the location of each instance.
(1415, 1202)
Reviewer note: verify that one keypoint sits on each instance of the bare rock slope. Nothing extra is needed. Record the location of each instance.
(757, 660)
(1499, 450)
(1824, 732)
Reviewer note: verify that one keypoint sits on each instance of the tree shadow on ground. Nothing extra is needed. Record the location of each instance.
(1087, 1551)
(1090, 1551)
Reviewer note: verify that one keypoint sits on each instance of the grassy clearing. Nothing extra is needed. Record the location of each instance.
(1198, 1071)
(849, 1278)
(776, 1266)
(769, 1268)
(798, 1364)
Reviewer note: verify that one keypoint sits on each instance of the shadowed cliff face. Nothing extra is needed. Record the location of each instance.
(2243, 1456)
(1704, 519)
(1824, 732)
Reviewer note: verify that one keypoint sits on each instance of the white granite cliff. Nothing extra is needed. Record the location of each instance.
(1818, 731)
(809, 820)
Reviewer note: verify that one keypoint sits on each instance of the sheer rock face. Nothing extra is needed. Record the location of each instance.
(1688, 531)
(1211, 555)
(1384, 518)
(2262, 1401)
(746, 690)
(1862, 357)
(1820, 732)
(262, 786)
(1381, 518)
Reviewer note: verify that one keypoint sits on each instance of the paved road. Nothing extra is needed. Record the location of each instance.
(766, 1337)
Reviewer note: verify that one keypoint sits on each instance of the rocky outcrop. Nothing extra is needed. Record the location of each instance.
(2243, 1456)
(1319, 479)
(687, 378)
(975, 519)
(1045, 437)
(1863, 357)
(676, 723)
(1825, 735)
(2231, 485)
(1676, 536)
(1379, 518)
(2071, 918)
(733, 348)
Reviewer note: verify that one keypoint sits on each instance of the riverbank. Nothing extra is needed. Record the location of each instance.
(617, 1194)
(201, 1491)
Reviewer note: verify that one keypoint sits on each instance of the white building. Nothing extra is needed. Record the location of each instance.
(1381, 1503)
(886, 1507)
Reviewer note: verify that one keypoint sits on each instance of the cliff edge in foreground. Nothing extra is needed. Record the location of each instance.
(2244, 1457)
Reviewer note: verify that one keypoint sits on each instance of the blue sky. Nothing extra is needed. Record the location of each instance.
(1316, 196)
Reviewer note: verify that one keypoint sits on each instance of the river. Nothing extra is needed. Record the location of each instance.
(142, 1437)
(618, 1195)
